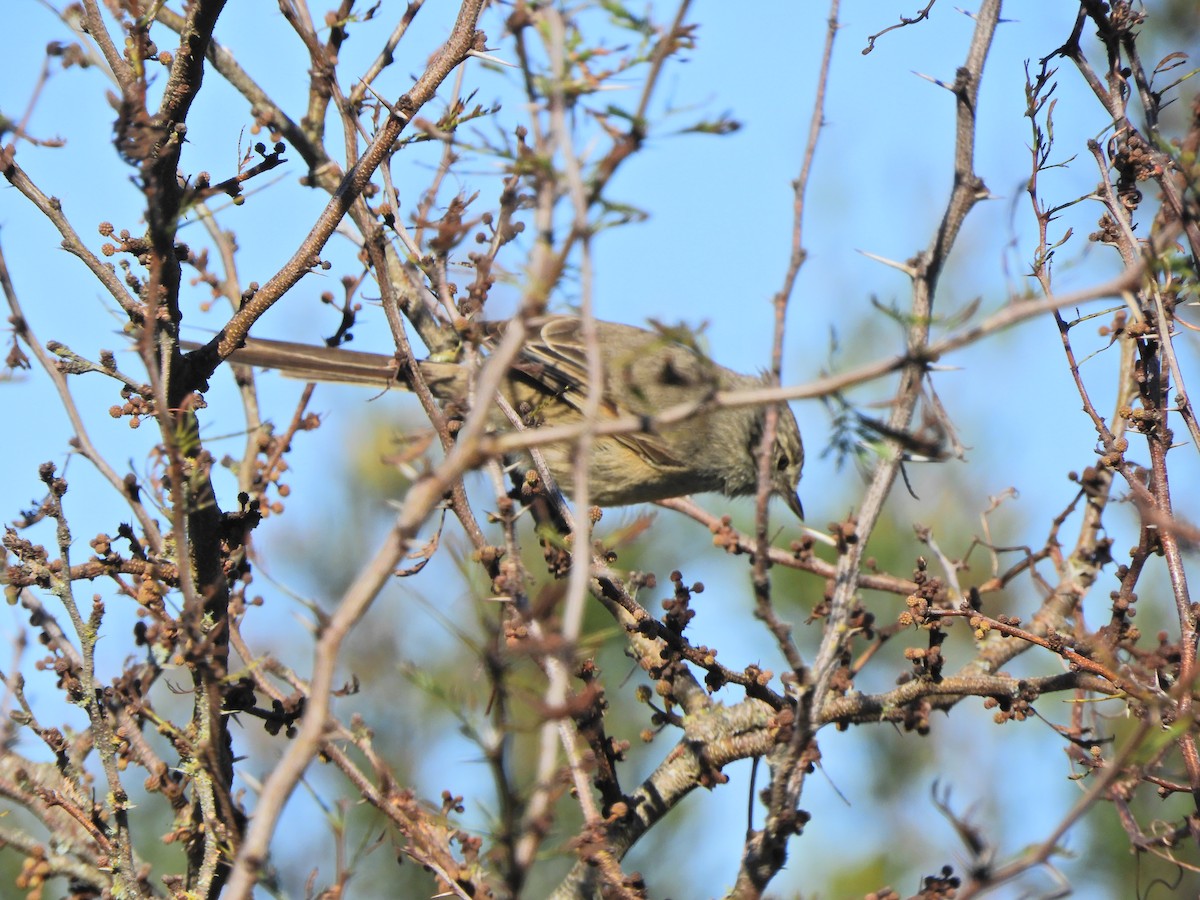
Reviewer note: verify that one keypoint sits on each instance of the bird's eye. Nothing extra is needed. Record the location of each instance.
(782, 463)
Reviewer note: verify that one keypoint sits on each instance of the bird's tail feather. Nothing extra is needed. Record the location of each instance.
(322, 364)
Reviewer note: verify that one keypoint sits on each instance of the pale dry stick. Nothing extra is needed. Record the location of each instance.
(411, 247)
(562, 729)
(580, 576)
(905, 21)
(230, 286)
(542, 270)
(985, 528)
(579, 579)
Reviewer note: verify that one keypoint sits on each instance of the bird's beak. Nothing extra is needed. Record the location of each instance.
(793, 501)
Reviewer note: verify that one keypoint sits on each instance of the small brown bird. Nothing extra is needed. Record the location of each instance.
(645, 372)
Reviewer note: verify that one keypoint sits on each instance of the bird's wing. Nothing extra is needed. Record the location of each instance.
(556, 359)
